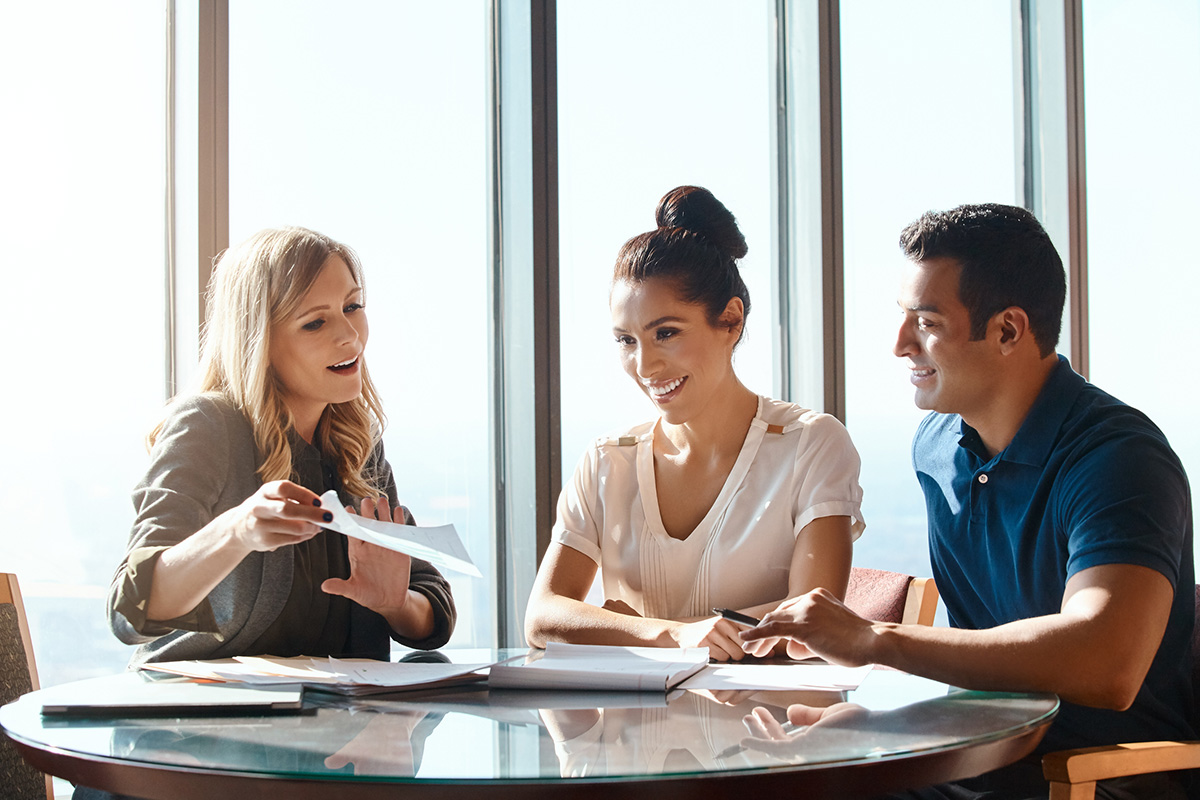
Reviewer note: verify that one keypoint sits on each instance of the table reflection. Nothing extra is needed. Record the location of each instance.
(690, 732)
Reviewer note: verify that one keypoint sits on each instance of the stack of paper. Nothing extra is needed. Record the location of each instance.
(578, 666)
(350, 676)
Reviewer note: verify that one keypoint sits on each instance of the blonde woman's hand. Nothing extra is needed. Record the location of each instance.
(378, 576)
(280, 513)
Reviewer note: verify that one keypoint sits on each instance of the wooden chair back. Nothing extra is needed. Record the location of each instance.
(18, 675)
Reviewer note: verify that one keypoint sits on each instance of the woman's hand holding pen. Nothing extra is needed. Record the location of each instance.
(717, 634)
(764, 648)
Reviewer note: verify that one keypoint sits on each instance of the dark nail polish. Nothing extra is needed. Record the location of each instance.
(328, 517)
(316, 501)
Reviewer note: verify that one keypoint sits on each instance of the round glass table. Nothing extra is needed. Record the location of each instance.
(894, 731)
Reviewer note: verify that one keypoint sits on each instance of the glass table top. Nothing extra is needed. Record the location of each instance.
(474, 734)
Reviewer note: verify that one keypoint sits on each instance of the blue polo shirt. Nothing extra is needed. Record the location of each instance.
(1086, 481)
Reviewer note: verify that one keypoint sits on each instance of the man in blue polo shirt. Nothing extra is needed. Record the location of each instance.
(1060, 521)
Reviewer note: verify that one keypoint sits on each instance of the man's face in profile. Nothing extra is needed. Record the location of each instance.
(952, 374)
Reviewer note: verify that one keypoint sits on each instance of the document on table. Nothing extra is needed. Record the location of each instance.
(762, 677)
(438, 545)
(602, 667)
(171, 697)
(350, 676)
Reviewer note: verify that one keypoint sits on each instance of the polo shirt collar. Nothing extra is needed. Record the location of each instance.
(1037, 434)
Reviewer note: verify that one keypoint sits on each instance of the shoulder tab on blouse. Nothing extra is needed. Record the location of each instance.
(616, 441)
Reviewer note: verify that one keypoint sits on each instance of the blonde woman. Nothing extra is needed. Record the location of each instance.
(227, 555)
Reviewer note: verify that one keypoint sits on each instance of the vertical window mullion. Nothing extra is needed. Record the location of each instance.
(524, 352)
(833, 263)
(213, 189)
(807, 203)
(1052, 166)
(1076, 185)
(171, 321)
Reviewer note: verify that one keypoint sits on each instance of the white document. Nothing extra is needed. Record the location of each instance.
(822, 677)
(347, 676)
(438, 545)
(601, 667)
(170, 697)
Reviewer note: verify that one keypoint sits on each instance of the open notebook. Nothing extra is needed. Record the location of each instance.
(602, 667)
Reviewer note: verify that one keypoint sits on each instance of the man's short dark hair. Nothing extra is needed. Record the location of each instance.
(1006, 259)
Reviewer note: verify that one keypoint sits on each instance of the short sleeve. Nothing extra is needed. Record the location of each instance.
(576, 525)
(826, 475)
(1115, 514)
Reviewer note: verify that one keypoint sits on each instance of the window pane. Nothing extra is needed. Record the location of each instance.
(653, 95)
(928, 123)
(370, 125)
(1142, 170)
(81, 218)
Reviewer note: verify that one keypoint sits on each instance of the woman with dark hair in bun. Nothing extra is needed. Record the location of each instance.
(727, 499)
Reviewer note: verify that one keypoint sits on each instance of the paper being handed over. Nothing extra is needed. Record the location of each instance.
(438, 545)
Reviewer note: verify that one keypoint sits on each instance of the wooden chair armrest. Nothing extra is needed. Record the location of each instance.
(921, 603)
(1091, 764)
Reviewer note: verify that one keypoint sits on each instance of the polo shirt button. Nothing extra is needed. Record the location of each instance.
(983, 478)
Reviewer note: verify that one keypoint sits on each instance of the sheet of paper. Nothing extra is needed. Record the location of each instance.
(171, 697)
(408, 673)
(824, 677)
(438, 545)
(266, 670)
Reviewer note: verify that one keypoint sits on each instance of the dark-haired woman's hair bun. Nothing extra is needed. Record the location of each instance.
(695, 209)
(696, 246)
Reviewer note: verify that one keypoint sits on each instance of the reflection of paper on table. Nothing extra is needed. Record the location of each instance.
(824, 677)
(438, 545)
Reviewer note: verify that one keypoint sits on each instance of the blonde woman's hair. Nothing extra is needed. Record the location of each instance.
(256, 285)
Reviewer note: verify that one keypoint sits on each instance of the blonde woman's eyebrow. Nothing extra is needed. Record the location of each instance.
(325, 306)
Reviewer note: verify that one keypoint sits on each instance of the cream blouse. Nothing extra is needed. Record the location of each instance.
(795, 465)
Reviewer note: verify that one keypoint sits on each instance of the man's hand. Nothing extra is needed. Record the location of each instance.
(816, 623)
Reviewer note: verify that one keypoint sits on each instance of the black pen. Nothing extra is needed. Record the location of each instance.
(737, 616)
